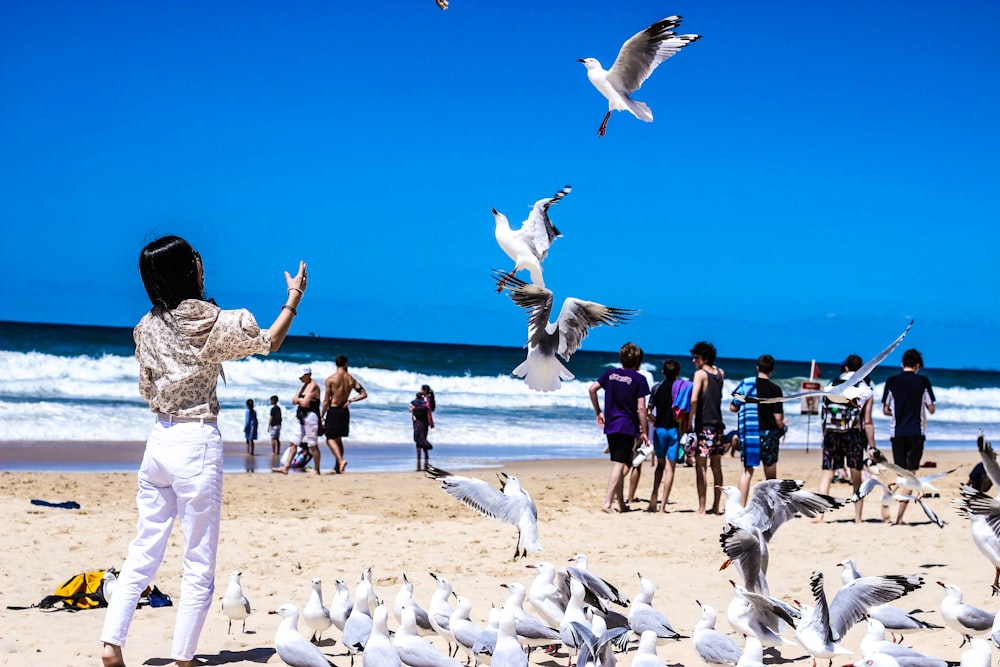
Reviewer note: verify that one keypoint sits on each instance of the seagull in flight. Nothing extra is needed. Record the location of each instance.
(511, 503)
(529, 245)
(844, 392)
(637, 59)
(541, 370)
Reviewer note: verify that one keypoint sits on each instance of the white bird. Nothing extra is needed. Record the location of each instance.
(874, 641)
(294, 649)
(379, 651)
(541, 370)
(977, 655)
(358, 627)
(340, 605)
(645, 654)
(414, 650)
(546, 595)
(508, 652)
(995, 631)
(529, 245)
(876, 660)
(404, 598)
(531, 630)
(749, 551)
(772, 503)
(984, 514)
(599, 591)
(843, 392)
(486, 642)
(108, 582)
(760, 616)
(314, 613)
(511, 504)
(753, 653)
(235, 605)
(463, 629)
(574, 614)
(890, 618)
(439, 610)
(871, 483)
(823, 626)
(373, 600)
(961, 617)
(642, 616)
(636, 60)
(907, 480)
(711, 645)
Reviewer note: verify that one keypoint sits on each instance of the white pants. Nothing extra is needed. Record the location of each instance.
(308, 431)
(180, 476)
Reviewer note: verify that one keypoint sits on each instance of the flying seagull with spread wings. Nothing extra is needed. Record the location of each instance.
(511, 503)
(637, 59)
(541, 370)
(843, 392)
(529, 245)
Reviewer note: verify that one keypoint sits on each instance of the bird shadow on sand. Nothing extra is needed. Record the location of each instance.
(261, 655)
(775, 658)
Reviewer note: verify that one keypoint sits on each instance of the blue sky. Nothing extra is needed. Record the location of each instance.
(816, 174)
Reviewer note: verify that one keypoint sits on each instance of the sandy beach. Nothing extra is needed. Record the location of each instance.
(280, 532)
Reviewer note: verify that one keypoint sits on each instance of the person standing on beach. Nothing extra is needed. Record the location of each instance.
(423, 419)
(306, 403)
(761, 425)
(274, 426)
(337, 416)
(429, 395)
(847, 430)
(250, 426)
(180, 345)
(623, 419)
(905, 399)
(706, 409)
(666, 434)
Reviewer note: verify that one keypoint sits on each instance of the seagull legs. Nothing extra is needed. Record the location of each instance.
(604, 124)
(503, 281)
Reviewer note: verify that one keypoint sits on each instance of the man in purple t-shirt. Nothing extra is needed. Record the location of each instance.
(623, 419)
(905, 398)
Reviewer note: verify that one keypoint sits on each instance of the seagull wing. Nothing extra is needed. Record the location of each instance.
(536, 300)
(577, 318)
(641, 54)
(484, 498)
(989, 458)
(851, 603)
(930, 513)
(974, 501)
(909, 478)
(538, 231)
(872, 363)
(744, 548)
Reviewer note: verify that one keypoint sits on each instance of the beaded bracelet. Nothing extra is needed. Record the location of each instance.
(301, 293)
(290, 309)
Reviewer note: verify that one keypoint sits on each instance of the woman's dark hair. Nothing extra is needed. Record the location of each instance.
(671, 369)
(169, 270)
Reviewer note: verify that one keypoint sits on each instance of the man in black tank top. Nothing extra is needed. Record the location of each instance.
(706, 410)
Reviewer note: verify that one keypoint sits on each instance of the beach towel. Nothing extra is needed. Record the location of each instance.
(682, 402)
(747, 422)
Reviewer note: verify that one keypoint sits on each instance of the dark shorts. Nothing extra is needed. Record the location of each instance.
(620, 446)
(420, 435)
(907, 450)
(844, 446)
(337, 423)
(769, 441)
(711, 441)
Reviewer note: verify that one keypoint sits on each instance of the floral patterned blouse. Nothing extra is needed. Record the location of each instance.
(180, 355)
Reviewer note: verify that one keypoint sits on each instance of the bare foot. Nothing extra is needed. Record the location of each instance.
(651, 507)
(607, 510)
(283, 471)
(343, 466)
(111, 656)
(316, 471)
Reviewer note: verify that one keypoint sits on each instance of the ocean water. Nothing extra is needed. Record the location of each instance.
(77, 383)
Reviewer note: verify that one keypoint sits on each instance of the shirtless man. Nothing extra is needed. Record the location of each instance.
(306, 404)
(337, 416)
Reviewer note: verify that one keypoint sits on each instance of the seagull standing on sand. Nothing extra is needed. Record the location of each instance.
(546, 596)
(235, 606)
(599, 591)
(645, 654)
(508, 652)
(753, 653)
(314, 613)
(379, 651)
(636, 60)
(541, 370)
(358, 627)
(294, 649)
(977, 655)
(404, 598)
(874, 641)
(529, 245)
(463, 629)
(486, 642)
(711, 645)
(414, 650)
(963, 618)
(511, 504)
(844, 392)
(341, 605)
(642, 616)
(439, 611)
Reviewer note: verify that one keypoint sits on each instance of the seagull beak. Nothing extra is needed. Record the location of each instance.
(273, 611)
(580, 60)
(494, 211)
